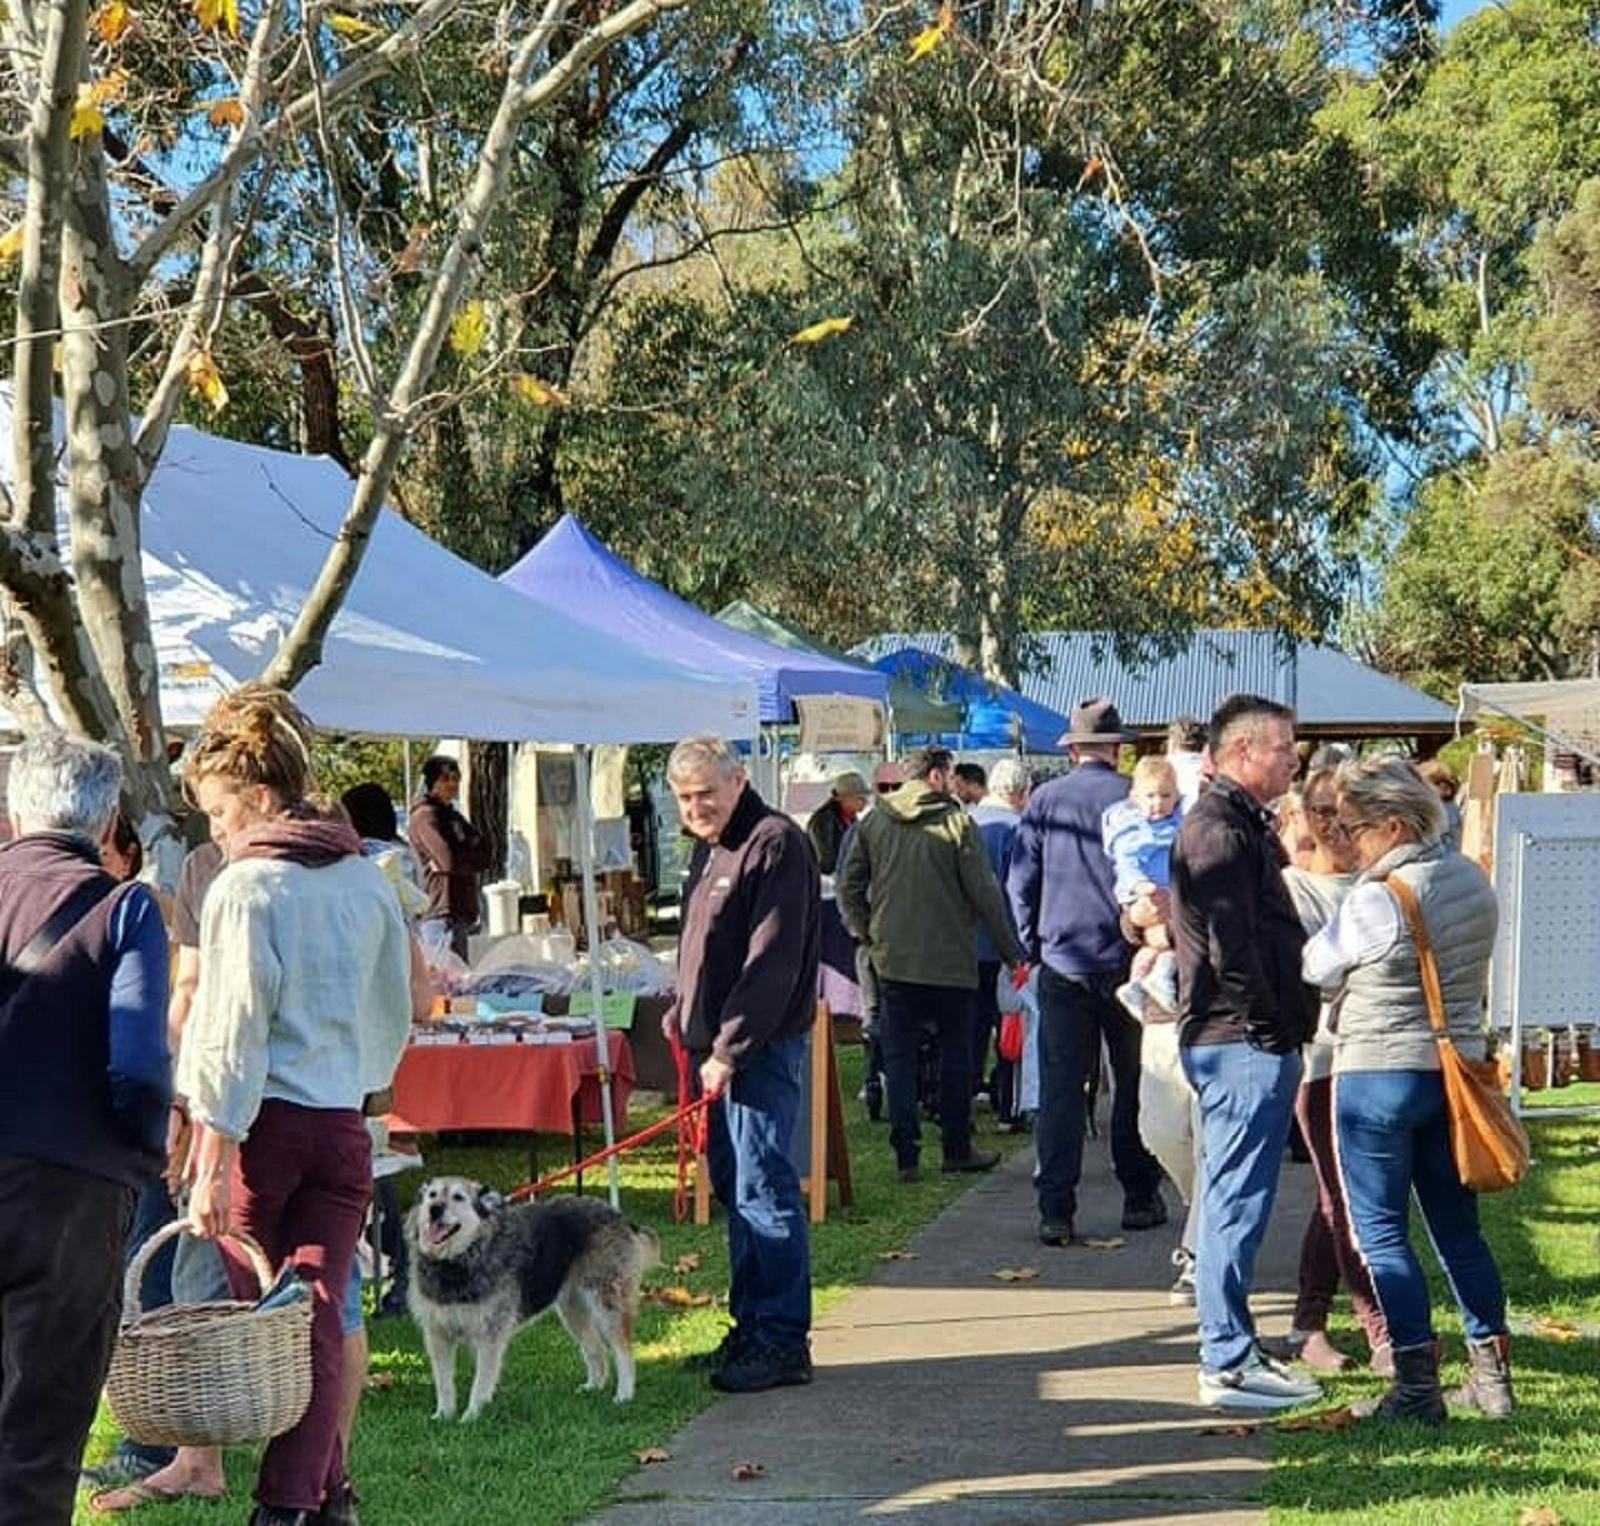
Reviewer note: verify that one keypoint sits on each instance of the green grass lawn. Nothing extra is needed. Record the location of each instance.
(545, 1454)
(1480, 1472)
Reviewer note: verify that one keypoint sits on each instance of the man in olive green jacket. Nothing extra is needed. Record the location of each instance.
(917, 881)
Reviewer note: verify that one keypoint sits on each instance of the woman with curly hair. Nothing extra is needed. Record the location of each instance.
(303, 1008)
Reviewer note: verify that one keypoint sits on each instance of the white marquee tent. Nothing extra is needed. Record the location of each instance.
(425, 645)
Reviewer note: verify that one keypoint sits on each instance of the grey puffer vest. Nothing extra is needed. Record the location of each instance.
(1382, 1017)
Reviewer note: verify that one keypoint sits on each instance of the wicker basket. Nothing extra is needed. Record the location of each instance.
(209, 1374)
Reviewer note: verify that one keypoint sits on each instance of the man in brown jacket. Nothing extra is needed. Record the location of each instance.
(747, 988)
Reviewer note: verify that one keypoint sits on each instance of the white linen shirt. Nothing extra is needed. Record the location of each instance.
(1364, 929)
(304, 991)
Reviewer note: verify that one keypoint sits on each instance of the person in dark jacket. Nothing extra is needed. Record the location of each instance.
(85, 1087)
(917, 883)
(747, 993)
(1245, 1013)
(1061, 888)
(452, 851)
(832, 819)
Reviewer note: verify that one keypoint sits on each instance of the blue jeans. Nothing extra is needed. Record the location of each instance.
(769, 1247)
(1077, 1012)
(1246, 1105)
(1393, 1140)
(903, 1009)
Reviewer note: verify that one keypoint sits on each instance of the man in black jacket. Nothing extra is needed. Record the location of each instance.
(747, 990)
(1245, 1015)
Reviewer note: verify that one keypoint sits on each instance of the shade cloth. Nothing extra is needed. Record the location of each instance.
(507, 1086)
(576, 573)
(993, 716)
(233, 538)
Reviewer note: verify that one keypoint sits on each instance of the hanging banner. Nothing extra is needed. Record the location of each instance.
(839, 723)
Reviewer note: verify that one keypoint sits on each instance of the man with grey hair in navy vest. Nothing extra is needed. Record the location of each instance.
(84, 1092)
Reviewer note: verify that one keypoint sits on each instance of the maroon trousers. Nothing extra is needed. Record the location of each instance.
(1328, 1251)
(300, 1190)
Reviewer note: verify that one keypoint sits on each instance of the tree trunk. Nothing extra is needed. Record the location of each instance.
(488, 770)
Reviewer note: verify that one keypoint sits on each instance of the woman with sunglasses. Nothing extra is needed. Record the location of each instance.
(1390, 1125)
(1327, 1254)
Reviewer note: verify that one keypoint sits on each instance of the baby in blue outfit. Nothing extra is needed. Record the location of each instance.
(1138, 834)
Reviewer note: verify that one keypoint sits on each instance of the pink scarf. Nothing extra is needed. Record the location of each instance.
(299, 836)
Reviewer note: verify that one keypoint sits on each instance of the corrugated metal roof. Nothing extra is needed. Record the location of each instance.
(1327, 688)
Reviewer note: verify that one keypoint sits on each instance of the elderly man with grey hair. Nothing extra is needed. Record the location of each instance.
(747, 991)
(996, 817)
(84, 1092)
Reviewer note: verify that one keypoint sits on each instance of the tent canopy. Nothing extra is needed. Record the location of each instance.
(425, 645)
(591, 585)
(1569, 708)
(910, 710)
(993, 716)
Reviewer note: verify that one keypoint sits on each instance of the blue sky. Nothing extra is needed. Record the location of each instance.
(1454, 10)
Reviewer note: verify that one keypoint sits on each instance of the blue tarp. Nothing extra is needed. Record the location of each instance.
(576, 573)
(993, 716)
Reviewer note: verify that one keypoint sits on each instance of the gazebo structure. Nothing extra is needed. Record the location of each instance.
(1335, 697)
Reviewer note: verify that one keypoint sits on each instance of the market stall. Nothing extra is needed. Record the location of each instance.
(993, 717)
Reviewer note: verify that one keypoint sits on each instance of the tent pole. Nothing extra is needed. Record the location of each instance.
(591, 915)
(411, 793)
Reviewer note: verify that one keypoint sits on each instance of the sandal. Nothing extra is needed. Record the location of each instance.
(140, 1491)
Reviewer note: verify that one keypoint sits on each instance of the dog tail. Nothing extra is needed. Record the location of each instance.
(647, 1246)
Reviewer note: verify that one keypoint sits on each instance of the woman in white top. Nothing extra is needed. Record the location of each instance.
(303, 1008)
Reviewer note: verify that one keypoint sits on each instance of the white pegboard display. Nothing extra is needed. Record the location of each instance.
(1547, 879)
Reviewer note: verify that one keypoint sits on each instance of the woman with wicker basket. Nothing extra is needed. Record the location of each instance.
(303, 1008)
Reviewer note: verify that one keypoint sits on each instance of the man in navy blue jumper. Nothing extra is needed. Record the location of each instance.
(1060, 885)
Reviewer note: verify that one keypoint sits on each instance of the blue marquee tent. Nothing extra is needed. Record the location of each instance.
(571, 570)
(993, 716)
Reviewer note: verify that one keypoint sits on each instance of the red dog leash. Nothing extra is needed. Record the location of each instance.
(689, 1118)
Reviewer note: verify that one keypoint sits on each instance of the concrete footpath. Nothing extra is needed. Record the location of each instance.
(951, 1397)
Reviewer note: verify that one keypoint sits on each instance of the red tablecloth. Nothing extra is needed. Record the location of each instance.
(507, 1086)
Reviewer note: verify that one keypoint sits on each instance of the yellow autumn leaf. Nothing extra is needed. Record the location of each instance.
(11, 243)
(205, 381)
(543, 394)
(469, 330)
(111, 21)
(87, 117)
(351, 26)
(212, 14)
(825, 329)
(925, 42)
(226, 113)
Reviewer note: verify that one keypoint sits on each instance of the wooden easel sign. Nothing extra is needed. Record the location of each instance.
(819, 1149)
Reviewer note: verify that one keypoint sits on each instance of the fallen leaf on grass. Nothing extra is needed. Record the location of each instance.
(380, 1380)
(653, 1454)
(689, 1262)
(1249, 1428)
(743, 1472)
(1108, 1242)
(1323, 1420)
(1556, 1329)
(675, 1298)
(1538, 1515)
(897, 1255)
(1016, 1274)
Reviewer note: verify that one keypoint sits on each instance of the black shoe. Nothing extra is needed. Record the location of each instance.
(726, 1349)
(1056, 1232)
(985, 1160)
(1144, 1213)
(338, 1510)
(126, 1465)
(392, 1305)
(759, 1367)
(909, 1173)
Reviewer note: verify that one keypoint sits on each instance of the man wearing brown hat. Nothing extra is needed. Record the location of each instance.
(832, 819)
(1060, 885)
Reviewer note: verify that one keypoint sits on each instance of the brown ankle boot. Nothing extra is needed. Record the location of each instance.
(1488, 1385)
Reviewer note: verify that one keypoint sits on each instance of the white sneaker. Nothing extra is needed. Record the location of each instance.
(1260, 1382)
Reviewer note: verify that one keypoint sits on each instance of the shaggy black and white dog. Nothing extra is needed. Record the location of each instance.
(481, 1270)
